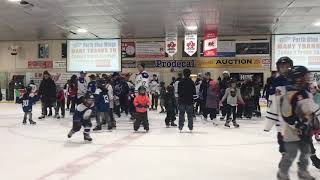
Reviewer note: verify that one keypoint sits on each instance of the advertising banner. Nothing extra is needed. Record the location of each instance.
(242, 76)
(175, 64)
(59, 64)
(129, 64)
(171, 43)
(128, 50)
(303, 49)
(40, 64)
(150, 49)
(232, 62)
(190, 43)
(210, 44)
(253, 48)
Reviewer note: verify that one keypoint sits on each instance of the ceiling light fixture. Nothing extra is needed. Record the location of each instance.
(14, 0)
(316, 23)
(192, 28)
(82, 30)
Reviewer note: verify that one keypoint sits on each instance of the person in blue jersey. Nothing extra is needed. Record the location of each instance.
(300, 119)
(92, 85)
(273, 118)
(102, 104)
(27, 101)
(82, 116)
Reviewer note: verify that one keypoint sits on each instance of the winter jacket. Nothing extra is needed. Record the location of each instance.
(27, 102)
(154, 87)
(298, 110)
(102, 102)
(170, 101)
(92, 86)
(47, 91)
(203, 89)
(141, 103)
(60, 96)
(142, 79)
(73, 90)
(232, 100)
(82, 87)
(212, 96)
(186, 91)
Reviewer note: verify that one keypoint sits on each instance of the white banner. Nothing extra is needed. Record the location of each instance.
(150, 49)
(190, 43)
(59, 78)
(59, 64)
(303, 49)
(99, 55)
(171, 43)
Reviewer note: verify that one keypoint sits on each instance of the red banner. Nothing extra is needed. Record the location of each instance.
(210, 43)
(40, 64)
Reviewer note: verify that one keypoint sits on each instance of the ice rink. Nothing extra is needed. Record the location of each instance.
(43, 152)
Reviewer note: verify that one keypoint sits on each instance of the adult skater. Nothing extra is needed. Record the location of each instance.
(47, 92)
(203, 93)
(142, 78)
(224, 84)
(154, 91)
(186, 91)
(298, 110)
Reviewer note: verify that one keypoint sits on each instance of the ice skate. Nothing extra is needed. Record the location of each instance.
(173, 124)
(315, 161)
(71, 132)
(87, 137)
(32, 122)
(222, 118)
(147, 130)
(110, 128)
(236, 125)
(97, 128)
(190, 130)
(167, 126)
(50, 114)
(281, 176)
(180, 130)
(62, 116)
(227, 124)
(42, 117)
(214, 123)
(24, 122)
(305, 175)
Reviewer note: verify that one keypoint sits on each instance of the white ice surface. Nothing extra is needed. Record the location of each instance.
(43, 152)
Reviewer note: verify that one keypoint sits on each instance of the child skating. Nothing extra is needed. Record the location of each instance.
(27, 101)
(233, 96)
(142, 103)
(170, 105)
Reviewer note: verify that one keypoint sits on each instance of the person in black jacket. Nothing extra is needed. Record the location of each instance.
(203, 92)
(170, 105)
(186, 91)
(47, 92)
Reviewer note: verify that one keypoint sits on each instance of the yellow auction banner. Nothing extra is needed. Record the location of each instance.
(233, 62)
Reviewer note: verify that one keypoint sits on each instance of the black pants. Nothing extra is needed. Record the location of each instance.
(68, 102)
(154, 99)
(124, 103)
(211, 111)
(114, 123)
(202, 104)
(224, 109)
(80, 100)
(171, 116)
(281, 143)
(76, 126)
(231, 110)
(61, 106)
(73, 104)
(256, 103)
(116, 110)
(141, 118)
(46, 105)
(249, 106)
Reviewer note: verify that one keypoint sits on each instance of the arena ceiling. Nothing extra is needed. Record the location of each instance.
(61, 19)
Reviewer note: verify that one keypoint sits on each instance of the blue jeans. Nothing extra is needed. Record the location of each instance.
(182, 109)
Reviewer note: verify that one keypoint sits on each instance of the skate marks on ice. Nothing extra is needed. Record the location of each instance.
(77, 166)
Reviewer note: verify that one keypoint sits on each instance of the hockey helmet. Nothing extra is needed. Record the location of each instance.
(284, 60)
(88, 99)
(297, 74)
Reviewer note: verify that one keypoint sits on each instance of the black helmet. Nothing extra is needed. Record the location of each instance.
(28, 89)
(297, 72)
(284, 60)
(88, 99)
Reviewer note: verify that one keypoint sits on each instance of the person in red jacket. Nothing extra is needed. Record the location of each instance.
(142, 103)
(73, 91)
(60, 103)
